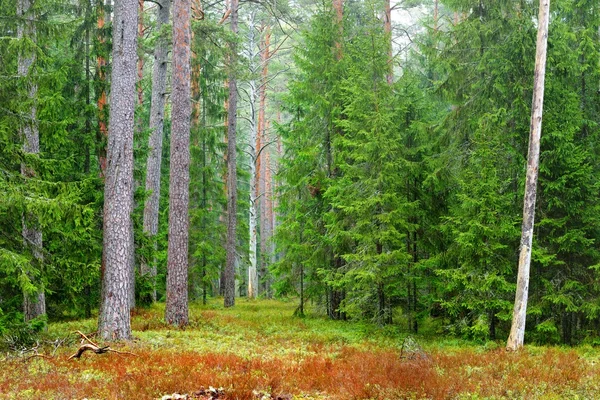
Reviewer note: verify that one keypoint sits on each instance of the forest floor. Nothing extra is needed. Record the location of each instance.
(258, 350)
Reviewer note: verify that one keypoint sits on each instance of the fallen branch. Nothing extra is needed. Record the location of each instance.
(92, 346)
(87, 346)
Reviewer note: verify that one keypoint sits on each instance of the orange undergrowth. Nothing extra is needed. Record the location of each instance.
(349, 373)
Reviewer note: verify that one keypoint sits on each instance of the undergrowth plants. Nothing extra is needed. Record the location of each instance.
(260, 347)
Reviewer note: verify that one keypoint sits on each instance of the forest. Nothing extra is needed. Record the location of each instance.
(261, 199)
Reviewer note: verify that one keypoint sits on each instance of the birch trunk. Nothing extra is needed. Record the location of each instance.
(229, 273)
(517, 331)
(157, 118)
(114, 321)
(176, 312)
(253, 94)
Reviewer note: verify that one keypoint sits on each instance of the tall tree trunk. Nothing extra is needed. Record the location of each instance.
(114, 323)
(34, 304)
(176, 312)
(157, 117)
(140, 63)
(262, 142)
(253, 142)
(517, 330)
(229, 290)
(102, 136)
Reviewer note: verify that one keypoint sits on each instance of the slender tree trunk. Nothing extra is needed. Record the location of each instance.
(253, 141)
(157, 117)
(114, 321)
(140, 64)
(268, 218)
(517, 331)
(262, 165)
(176, 312)
(387, 26)
(34, 304)
(229, 292)
(102, 136)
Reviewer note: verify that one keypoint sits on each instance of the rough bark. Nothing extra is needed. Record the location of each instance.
(517, 331)
(229, 273)
(157, 117)
(176, 312)
(114, 321)
(140, 64)
(34, 304)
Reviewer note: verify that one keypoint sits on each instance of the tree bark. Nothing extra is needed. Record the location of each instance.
(102, 135)
(252, 144)
(229, 273)
(176, 312)
(261, 144)
(157, 118)
(114, 321)
(34, 304)
(517, 331)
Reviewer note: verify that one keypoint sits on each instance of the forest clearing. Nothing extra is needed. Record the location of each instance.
(259, 350)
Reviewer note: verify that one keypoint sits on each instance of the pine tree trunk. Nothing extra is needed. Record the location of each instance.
(229, 273)
(176, 312)
(261, 166)
(114, 321)
(34, 304)
(517, 331)
(157, 117)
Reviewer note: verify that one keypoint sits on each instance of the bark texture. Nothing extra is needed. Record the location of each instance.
(34, 304)
(517, 331)
(252, 145)
(157, 118)
(114, 323)
(229, 273)
(176, 312)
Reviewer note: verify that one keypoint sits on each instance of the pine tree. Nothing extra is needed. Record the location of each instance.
(114, 320)
(176, 312)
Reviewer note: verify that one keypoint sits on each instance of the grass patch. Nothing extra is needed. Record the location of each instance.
(259, 346)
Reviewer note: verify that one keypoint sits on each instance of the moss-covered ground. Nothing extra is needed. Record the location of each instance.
(258, 349)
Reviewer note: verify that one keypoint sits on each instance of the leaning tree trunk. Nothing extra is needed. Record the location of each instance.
(229, 273)
(34, 304)
(176, 312)
(517, 330)
(114, 321)
(157, 117)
